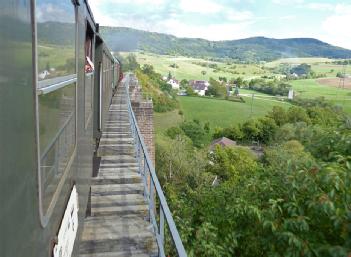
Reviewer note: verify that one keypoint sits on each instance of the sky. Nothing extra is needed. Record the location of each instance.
(326, 20)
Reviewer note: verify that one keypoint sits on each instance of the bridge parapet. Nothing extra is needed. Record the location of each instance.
(144, 113)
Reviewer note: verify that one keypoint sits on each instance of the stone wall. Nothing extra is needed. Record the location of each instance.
(144, 113)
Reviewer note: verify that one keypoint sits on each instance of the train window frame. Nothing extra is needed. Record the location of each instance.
(88, 53)
(43, 87)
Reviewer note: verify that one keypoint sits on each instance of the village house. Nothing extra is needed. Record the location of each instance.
(174, 83)
(222, 142)
(199, 86)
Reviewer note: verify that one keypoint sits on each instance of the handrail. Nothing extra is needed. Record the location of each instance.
(165, 213)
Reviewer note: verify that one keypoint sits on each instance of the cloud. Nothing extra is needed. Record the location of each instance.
(287, 2)
(234, 15)
(319, 6)
(133, 2)
(225, 31)
(200, 6)
(335, 26)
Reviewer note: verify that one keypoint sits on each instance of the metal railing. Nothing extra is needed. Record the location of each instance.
(153, 188)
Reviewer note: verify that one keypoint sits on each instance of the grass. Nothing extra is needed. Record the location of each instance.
(165, 120)
(292, 61)
(310, 88)
(190, 68)
(318, 65)
(222, 113)
(219, 113)
(55, 57)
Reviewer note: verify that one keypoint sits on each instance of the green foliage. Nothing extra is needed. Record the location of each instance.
(153, 86)
(269, 87)
(216, 89)
(174, 65)
(230, 163)
(302, 69)
(294, 202)
(195, 131)
(298, 114)
(251, 129)
(233, 133)
(174, 132)
(290, 155)
(130, 63)
(184, 83)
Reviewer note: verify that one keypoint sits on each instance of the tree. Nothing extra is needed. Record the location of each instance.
(298, 114)
(130, 63)
(148, 69)
(169, 76)
(290, 155)
(236, 91)
(268, 129)
(216, 89)
(339, 75)
(203, 73)
(224, 79)
(195, 131)
(302, 69)
(279, 115)
(174, 132)
(239, 82)
(231, 162)
(184, 83)
(252, 129)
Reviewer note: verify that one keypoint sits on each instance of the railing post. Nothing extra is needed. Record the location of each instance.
(162, 225)
(151, 205)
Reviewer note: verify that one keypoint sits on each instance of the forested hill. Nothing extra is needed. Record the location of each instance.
(250, 49)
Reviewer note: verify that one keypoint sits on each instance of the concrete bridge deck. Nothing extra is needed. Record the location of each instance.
(118, 225)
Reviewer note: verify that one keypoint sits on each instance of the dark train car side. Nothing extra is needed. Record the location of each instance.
(55, 72)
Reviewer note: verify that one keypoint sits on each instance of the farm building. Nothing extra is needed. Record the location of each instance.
(174, 83)
(199, 86)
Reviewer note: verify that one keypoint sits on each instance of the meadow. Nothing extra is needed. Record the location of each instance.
(191, 68)
(219, 113)
(225, 113)
(310, 88)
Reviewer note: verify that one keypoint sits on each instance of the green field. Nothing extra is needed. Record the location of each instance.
(313, 60)
(318, 65)
(190, 68)
(219, 113)
(165, 120)
(223, 113)
(309, 88)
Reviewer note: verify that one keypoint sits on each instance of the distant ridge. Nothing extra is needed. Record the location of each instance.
(249, 49)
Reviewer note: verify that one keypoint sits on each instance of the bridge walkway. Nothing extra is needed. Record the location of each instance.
(118, 225)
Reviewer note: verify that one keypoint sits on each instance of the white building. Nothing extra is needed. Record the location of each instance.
(43, 74)
(174, 83)
(199, 86)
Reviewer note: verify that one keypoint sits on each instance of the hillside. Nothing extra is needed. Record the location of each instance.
(250, 49)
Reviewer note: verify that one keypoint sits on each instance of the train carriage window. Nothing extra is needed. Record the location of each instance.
(55, 38)
(89, 37)
(56, 98)
(89, 69)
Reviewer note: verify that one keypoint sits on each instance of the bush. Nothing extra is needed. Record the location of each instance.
(174, 132)
(229, 163)
(195, 131)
